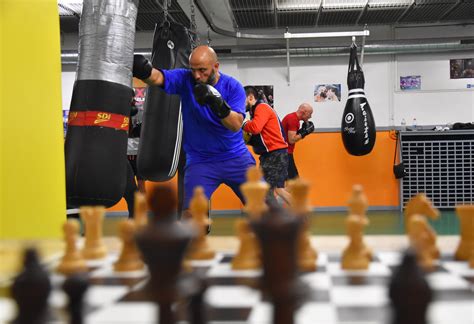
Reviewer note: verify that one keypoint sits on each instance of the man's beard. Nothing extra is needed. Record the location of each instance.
(212, 78)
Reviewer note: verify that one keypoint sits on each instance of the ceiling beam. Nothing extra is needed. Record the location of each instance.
(457, 4)
(364, 10)
(275, 14)
(405, 12)
(319, 13)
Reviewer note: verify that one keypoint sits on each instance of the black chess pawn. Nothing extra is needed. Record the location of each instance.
(197, 305)
(192, 286)
(30, 290)
(409, 292)
(75, 286)
(277, 231)
(163, 244)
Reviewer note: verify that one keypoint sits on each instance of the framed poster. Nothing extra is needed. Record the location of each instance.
(265, 93)
(412, 82)
(461, 68)
(327, 92)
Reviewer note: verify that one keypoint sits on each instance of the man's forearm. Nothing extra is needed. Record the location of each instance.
(293, 137)
(233, 122)
(156, 78)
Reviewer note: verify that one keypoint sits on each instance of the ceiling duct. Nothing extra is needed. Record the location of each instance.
(373, 49)
(413, 47)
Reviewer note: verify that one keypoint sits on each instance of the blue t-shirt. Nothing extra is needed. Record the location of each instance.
(205, 139)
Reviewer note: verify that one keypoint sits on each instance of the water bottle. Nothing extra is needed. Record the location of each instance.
(403, 125)
(414, 124)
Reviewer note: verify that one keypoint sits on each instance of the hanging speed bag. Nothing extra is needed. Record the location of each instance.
(160, 138)
(358, 125)
(96, 139)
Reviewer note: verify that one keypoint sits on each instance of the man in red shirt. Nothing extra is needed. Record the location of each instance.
(295, 133)
(267, 140)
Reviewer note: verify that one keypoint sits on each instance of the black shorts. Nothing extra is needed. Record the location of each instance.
(275, 167)
(132, 159)
(292, 170)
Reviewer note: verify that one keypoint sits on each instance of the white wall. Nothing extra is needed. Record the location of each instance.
(68, 79)
(305, 73)
(440, 100)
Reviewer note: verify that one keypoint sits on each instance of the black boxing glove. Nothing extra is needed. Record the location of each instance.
(206, 94)
(135, 131)
(306, 129)
(141, 67)
(133, 111)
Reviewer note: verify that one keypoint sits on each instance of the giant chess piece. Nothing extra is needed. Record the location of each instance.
(72, 260)
(129, 258)
(140, 209)
(192, 288)
(466, 245)
(307, 254)
(421, 235)
(278, 232)
(357, 255)
(94, 246)
(75, 287)
(30, 290)
(163, 243)
(358, 204)
(409, 292)
(199, 207)
(254, 190)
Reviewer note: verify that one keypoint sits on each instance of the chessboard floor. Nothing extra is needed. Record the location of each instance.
(337, 296)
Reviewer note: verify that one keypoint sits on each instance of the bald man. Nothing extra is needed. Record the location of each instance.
(294, 133)
(213, 108)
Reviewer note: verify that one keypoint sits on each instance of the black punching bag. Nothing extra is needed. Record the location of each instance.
(160, 139)
(358, 125)
(96, 139)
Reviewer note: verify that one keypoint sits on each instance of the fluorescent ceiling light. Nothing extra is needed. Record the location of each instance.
(344, 4)
(298, 4)
(390, 3)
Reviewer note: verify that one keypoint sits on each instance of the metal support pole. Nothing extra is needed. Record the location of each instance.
(363, 49)
(288, 60)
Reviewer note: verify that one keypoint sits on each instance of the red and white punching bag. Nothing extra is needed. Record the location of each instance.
(358, 125)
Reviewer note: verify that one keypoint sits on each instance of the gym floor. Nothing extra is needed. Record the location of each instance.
(330, 223)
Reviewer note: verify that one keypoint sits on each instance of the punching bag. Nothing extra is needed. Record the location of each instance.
(160, 143)
(358, 125)
(96, 140)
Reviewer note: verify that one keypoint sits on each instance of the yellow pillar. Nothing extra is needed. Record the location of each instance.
(32, 181)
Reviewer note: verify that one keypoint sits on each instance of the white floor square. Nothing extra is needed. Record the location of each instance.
(137, 313)
(232, 296)
(371, 296)
(225, 270)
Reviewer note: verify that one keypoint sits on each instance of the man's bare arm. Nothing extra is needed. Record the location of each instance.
(233, 121)
(156, 78)
(293, 137)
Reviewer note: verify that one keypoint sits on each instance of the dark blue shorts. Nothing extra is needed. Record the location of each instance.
(211, 175)
(275, 167)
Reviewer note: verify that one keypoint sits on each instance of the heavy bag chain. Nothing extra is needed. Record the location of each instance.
(355, 76)
(166, 4)
(193, 35)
